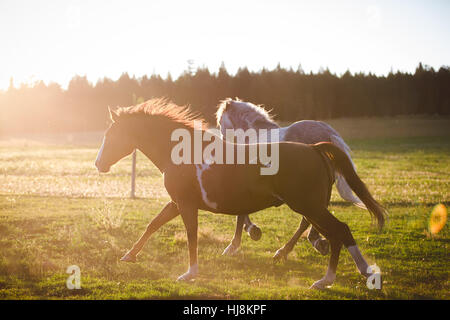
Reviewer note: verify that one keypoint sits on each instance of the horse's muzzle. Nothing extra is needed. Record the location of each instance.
(101, 168)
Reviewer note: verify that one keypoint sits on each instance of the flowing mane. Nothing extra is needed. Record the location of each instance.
(244, 110)
(162, 107)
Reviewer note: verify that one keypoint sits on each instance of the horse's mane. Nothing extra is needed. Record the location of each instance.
(257, 112)
(162, 107)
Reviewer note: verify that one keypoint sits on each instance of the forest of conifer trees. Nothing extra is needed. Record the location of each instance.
(292, 94)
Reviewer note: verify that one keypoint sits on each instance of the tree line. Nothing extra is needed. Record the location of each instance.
(291, 94)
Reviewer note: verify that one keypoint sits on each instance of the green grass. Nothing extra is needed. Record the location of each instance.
(57, 211)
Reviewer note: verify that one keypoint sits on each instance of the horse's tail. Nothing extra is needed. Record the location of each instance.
(344, 166)
(341, 184)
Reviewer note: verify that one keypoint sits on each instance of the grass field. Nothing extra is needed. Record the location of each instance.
(57, 211)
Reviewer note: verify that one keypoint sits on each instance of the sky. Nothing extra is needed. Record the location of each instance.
(55, 40)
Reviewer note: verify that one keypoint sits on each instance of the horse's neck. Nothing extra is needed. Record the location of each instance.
(268, 125)
(156, 154)
(158, 146)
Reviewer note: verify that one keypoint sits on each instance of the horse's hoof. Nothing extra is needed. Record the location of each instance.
(255, 233)
(184, 278)
(317, 286)
(279, 256)
(230, 250)
(128, 257)
(321, 284)
(323, 246)
(188, 276)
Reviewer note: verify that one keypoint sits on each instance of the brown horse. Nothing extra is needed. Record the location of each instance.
(303, 180)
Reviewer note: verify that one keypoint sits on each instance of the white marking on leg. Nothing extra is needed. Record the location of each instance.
(200, 169)
(231, 249)
(330, 276)
(326, 281)
(128, 257)
(361, 263)
(190, 274)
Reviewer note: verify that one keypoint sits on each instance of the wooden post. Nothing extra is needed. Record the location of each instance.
(133, 175)
(135, 101)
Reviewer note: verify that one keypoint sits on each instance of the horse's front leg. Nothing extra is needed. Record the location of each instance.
(169, 212)
(330, 276)
(190, 219)
(338, 234)
(235, 243)
(252, 229)
(283, 252)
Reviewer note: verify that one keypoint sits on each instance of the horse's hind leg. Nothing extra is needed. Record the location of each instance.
(235, 243)
(169, 212)
(320, 244)
(338, 234)
(242, 222)
(252, 229)
(283, 252)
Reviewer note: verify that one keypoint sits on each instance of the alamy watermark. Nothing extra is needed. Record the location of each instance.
(74, 280)
(374, 280)
(213, 152)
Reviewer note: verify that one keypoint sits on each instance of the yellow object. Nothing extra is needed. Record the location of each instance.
(438, 218)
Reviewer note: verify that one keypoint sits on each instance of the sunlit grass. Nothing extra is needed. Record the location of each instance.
(41, 236)
(61, 171)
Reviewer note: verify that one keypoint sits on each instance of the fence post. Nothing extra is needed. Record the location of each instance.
(135, 101)
(133, 175)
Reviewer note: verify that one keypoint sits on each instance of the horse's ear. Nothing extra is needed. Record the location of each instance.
(228, 104)
(113, 115)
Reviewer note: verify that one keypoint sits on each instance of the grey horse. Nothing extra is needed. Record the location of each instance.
(237, 114)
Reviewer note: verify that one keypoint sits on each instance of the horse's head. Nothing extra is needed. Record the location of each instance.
(232, 115)
(237, 114)
(117, 144)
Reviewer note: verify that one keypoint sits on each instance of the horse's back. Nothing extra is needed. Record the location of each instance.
(309, 132)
